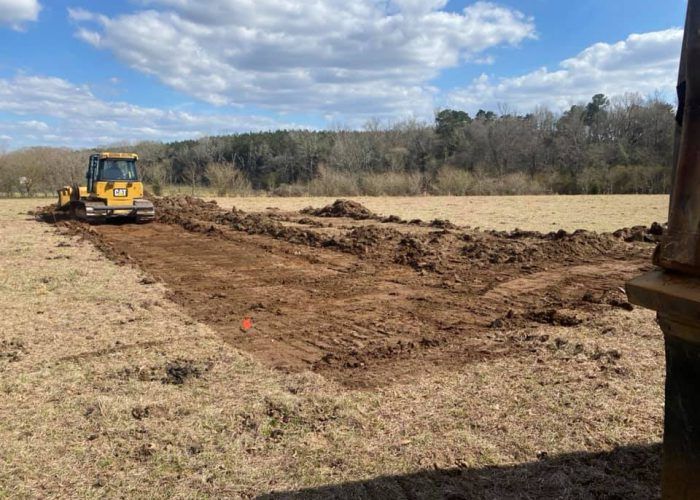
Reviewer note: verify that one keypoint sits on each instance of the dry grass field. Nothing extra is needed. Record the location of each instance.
(119, 380)
(503, 213)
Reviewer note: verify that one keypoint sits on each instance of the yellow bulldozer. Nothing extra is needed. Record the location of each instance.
(113, 190)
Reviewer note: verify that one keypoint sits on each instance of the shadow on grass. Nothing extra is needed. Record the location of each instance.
(628, 472)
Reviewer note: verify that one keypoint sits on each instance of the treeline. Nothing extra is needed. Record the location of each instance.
(623, 145)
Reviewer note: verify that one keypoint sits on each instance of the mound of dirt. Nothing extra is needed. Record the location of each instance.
(364, 240)
(452, 250)
(207, 217)
(49, 213)
(442, 224)
(342, 208)
(528, 247)
(171, 209)
(184, 202)
(652, 234)
(259, 223)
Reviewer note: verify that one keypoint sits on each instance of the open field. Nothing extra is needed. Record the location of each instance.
(529, 213)
(386, 359)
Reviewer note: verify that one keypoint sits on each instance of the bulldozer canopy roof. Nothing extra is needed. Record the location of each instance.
(118, 156)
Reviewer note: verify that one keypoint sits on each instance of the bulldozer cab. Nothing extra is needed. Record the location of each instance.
(112, 168)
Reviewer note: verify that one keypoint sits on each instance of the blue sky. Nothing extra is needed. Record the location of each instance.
(80, 73)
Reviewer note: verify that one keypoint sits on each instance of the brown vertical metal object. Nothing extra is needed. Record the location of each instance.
(674, 291)
(680, 249)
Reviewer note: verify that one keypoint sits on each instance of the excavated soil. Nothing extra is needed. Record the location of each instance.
(362, 299)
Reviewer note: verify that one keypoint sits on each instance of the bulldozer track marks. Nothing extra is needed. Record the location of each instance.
(361, 301)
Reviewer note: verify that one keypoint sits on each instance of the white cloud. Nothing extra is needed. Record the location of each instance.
(643, 63)
(333, 57)
(53, 111)
(79, 14)
(34, 125)
(16, 12)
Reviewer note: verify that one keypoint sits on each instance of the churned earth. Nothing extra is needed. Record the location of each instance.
(332, 352)
(363, 299)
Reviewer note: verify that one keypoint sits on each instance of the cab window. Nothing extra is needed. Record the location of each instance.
(117, 170)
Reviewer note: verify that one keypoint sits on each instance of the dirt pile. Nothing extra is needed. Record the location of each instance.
(49, 213)
(175, 209)
(531, 247)
(651, 234)
(390, 240)
(364, 240)
(342, 208)
(265, 225)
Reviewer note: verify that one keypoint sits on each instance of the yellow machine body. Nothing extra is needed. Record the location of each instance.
(113, 190)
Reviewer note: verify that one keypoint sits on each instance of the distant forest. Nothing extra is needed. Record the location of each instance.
(620, 145)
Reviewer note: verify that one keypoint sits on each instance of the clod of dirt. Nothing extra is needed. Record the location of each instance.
(178, 371)
(442, 224)
(142, 373)
(59, 257)
(591, 298)
(652, 234)
(92, 410)
(145, 451)
(622, 304)
(342, 208)
(175, 372)
(307, 221)
(395, 219)
(195, 448)
(11, 350)
(140, 412)
(657, 229)
(412, 252)
(606, 356)
(497, 323)
(554, 317)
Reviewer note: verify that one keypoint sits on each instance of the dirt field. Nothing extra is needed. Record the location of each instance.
(324, 353)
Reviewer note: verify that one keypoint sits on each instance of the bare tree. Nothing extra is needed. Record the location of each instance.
(226, 178)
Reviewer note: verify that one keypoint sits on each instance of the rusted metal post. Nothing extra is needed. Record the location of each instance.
(674, 290)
